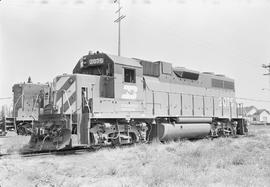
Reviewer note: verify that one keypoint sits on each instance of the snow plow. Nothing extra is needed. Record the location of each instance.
(51, 132)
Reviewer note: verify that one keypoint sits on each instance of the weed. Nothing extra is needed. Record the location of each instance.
(112, 171)
(238, 161)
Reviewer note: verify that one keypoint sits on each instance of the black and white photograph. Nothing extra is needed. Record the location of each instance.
(134, 93)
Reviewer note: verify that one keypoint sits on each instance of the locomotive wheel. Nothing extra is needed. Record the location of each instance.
(118, 140)
(226, 131)
(21, 130)
(133, 137)
(115, 141)
(24, 129)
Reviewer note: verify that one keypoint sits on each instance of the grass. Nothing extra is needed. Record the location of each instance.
(243, 161)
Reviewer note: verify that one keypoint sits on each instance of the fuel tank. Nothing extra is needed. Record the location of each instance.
(168, 131)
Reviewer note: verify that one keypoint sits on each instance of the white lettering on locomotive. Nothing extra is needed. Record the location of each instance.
(131, 92)
(225, 101)
(96, 61)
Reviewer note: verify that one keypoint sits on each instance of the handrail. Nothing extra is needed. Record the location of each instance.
(14, 118)
(35, 102)
(65, 92)
(158, 91)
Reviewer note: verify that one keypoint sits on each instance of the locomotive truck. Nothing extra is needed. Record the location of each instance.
(112, 100)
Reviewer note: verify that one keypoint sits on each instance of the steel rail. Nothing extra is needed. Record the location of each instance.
(68, 151)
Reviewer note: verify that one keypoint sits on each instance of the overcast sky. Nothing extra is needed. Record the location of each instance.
(45, 38)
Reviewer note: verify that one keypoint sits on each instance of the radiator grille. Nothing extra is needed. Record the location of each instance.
(217, 83)
(229, 85)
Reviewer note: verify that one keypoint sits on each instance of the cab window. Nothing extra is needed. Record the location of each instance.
(129, 75)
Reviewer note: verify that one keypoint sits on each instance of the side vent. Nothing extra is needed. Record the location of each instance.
(217, 83)
(150, 68)
(229, 85)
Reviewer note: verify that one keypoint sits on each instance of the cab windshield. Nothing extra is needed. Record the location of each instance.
(105, 69)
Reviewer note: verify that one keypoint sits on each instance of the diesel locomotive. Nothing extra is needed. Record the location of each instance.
(112, 100)
(28, 99)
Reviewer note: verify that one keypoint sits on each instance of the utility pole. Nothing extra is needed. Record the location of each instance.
(268, 73)
(118, 20)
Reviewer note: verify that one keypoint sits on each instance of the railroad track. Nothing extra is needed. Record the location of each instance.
(67, 151)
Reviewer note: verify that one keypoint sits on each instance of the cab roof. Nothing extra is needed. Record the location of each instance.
(125, 61)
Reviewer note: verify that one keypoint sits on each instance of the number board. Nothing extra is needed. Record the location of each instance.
(96, 61)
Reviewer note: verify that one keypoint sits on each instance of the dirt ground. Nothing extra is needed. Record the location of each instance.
(242, 161)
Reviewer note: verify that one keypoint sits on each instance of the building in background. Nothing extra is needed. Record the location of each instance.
(256, 116)
(262, 116)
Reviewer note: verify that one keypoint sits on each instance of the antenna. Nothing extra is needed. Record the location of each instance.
(118, 20)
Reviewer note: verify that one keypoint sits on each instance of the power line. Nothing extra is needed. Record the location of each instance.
(5, 98)
(249, 99)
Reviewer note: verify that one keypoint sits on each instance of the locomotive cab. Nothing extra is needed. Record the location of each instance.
(98, 65)
(118, 83)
